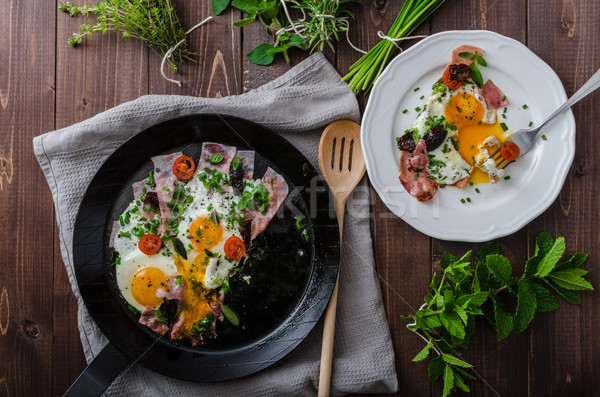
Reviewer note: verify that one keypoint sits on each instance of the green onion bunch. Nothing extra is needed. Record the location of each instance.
(369, 67)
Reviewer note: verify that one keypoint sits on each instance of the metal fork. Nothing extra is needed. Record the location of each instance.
(525, 138)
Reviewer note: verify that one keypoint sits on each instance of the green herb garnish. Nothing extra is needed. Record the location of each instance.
(447, 319)
(215, 159)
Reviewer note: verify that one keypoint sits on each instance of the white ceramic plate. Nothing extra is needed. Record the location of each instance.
(502, 208)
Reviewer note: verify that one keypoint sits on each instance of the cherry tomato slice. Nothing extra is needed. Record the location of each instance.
(184, 167)
(510, 151)
(452, 84)
(150, 244)
(235, 248)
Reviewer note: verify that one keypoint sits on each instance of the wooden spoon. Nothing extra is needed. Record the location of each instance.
(343, 166)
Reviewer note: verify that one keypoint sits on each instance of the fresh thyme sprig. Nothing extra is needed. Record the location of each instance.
(447, 319)
(153, 21)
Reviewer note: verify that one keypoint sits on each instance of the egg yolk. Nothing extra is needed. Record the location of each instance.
(205, 233)
(144, 285)
(467, 114)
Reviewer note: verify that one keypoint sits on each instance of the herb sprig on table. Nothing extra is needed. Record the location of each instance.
(447, 319)
(153, 21)
(321, 24)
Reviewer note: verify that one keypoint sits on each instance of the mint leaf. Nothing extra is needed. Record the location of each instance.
(248, 5)
(245, 22)
(481, 61)
(551, 258)
(570, 296)
(448, 380)
(460, 383)
(218, 6)
(450, 359)
(571, 279)
(230, 315)
(488, 248)
(447, 259)
(543, 244)
(478, 298)
(526, 305)
(476, 74)
(453, 324)
(467, 55)
(500, 267)
(575, 262)
(531, 266)
(435, 368)
(261, 55)
(546, 301)
(503, 318)
(423, 353)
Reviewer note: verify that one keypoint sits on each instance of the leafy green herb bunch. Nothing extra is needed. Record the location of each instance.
(447, 319)
(321, 23)
(154, 21)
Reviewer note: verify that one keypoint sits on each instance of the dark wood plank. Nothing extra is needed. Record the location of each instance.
(68, 359)
(215, 71)
(564, 348)
(402, 255)
(103, 72)
(26, 110)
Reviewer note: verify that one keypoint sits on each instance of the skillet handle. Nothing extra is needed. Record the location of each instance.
(100, 373)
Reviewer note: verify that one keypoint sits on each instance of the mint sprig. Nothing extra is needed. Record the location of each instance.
(475, 72)
(447, 319)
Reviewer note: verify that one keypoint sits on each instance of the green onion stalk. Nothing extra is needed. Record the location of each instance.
(369, 67)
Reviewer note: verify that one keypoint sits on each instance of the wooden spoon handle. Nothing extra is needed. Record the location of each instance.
(329, 325)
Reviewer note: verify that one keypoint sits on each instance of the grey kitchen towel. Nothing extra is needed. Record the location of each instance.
(297, 105)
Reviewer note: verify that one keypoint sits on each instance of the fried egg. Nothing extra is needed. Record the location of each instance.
(142, 279)
(469, 123)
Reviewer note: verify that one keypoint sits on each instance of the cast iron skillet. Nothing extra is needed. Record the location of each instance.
(292, 276)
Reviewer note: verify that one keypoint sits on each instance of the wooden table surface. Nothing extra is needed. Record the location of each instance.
(45, 85)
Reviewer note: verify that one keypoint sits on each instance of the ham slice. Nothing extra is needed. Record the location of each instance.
(278, 190)
(417, 184)
(148, 318)
(166, 182)
(211, 148)
(420, 159)
(493, 95)
(465, 48)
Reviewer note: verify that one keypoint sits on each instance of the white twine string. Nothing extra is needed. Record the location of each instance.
(287, 14)
(172, 49)
(418, 334)
(394, 41)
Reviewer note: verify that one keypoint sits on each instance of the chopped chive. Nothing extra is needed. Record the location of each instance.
(503, 97)
(544, 137)
(416, 89)
(472, 146)
(440, 99)
(477, 190)
(125, 234)
(118, 261)
(530, 123)
(418, 109)
(479, 122)
(405, 111)
(459, 109)
(469, 199)
(471, 183)
(504, 111)
(503, 116)
(525, 106)
(507, 177)
(422, 96)
(121, 222)
(504, 127)
(133, 309)
(462, 201)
